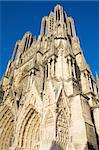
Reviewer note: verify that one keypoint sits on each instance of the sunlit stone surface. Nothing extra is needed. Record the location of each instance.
(49, 99)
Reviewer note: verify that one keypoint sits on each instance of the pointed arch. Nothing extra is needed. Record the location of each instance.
(62, 119)
(44, 26)
(15, 51)
(62, 128)
(58, 14)
(58, 11)
(29, 132)
(71, 27)
(6, 128)
(62, 99)
(65, 18)
(61, 125)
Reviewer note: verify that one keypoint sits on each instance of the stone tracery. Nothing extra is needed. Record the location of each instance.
(7, 127)
(30, 129)
(62, 121)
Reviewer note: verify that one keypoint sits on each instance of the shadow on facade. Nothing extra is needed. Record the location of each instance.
(55, 146)
(89, 146)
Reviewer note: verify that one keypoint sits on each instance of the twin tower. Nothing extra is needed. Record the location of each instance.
(49, 97)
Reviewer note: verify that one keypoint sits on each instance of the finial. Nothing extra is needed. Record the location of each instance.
(58, 5)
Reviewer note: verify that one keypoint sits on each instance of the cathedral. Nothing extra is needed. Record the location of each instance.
(49, 99)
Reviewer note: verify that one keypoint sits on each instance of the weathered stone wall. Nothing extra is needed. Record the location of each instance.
(50, 100)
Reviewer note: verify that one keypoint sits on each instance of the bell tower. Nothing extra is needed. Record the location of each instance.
(49, 97)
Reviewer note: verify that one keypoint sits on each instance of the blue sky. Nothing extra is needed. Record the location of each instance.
(16, 18)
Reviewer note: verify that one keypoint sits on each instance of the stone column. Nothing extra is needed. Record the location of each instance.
(23, 43)
(87, 82)
(31, 78)
(68, 26)
(83, 82)
(27, 43)
(59, 66)
(46, 71)
(90, 84)
(70, 67)
(30, 38)
(95, 90)
(74, 70)
(28, 82)
(49, 69)
(72, 26)
(14, 52)
(67, 64)
(53, 66)
(42, 27)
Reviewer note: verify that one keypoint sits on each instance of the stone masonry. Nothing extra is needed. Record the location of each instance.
(49, 99)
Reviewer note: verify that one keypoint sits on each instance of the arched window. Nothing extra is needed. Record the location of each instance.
(61, 127)
(71, 29)
(16, 49)
(31, 41)
(25, 45)
(58, 14)
(44, 27)
(65, 18)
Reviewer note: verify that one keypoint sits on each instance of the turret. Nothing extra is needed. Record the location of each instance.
(58, 24)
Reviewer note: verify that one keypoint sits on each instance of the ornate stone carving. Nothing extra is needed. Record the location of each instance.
(43, 85)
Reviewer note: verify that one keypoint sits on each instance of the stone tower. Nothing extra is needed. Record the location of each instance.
(49, 98)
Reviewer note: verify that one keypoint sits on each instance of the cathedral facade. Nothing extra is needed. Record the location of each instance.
(49, 98)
